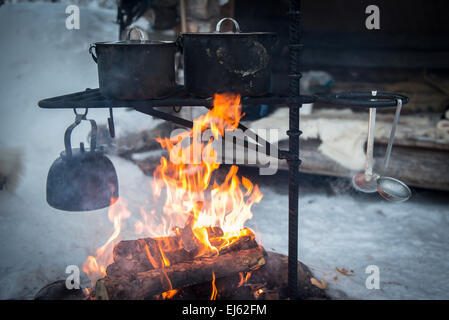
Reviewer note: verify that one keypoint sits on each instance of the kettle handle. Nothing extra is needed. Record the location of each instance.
(68, 133)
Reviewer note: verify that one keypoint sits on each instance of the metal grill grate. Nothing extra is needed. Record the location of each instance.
(92, 98)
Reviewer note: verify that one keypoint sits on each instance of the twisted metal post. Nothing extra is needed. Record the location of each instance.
(293, 158)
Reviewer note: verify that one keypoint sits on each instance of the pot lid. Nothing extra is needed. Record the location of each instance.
(136, 42)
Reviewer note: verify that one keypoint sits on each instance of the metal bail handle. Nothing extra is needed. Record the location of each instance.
(92, 47)
(68, 133)
(236, 25)
(141, 35)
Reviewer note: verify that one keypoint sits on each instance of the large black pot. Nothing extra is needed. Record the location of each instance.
(227, 62)
(135, 69)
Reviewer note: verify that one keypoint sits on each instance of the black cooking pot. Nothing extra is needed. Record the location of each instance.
(227, 62)
(135, 69)
(80, 179)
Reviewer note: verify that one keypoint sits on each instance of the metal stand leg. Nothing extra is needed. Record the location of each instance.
(293, 156)
(293, 167)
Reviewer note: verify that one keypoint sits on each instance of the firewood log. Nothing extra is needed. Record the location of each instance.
(149, 253)
(271, 278)
(144, 285)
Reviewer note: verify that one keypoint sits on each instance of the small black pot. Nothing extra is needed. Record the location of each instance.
(227, 62)
(135, 69)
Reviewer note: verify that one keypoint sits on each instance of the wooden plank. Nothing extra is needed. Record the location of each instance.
(417, 143)
(418, 167)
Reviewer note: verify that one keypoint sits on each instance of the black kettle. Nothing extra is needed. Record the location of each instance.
(82, 179)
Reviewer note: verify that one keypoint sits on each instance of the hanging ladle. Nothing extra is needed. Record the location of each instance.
(367, 181)
(390, 188)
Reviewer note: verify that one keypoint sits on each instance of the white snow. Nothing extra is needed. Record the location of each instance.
(408, 242)
(40, 59)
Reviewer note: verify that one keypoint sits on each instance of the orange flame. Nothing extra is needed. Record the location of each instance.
(95, 267)
(243, 279)
(169, 294)
(192, 201)
(214, 293)
(186, 183)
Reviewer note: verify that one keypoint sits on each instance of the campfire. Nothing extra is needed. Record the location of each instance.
(201, 234)
(198, 247)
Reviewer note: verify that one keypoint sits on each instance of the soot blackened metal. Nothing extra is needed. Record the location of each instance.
(126, 69)
(293, 159)
(237, 62)
(81, 179)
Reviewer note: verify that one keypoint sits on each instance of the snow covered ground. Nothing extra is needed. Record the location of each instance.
(40, 59)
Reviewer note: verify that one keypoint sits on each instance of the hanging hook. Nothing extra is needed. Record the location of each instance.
(80, 116)
(68, 133)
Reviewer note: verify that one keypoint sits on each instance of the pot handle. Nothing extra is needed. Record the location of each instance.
(236, 25)
(139, 30)
(180, 43)
(94, 56)
(68, 133)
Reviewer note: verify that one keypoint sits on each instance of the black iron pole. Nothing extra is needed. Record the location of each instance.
(293, 159)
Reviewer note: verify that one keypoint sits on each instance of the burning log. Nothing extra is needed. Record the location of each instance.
(266, 283)
(146, 254)
(152, 253)
(144, 285)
